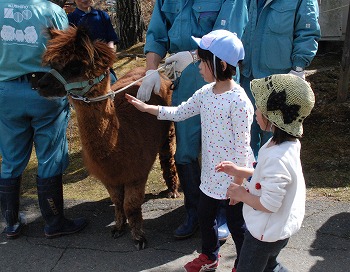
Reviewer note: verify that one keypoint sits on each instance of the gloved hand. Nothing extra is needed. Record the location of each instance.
(181, 59)
(300, 74)
(149, 83)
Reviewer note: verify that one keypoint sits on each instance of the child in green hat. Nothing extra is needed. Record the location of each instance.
(274, 201)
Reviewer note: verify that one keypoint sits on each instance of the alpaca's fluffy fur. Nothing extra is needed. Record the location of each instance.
(120, 144)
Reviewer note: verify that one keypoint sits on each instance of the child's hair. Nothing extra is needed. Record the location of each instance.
(279, 136)
(220, 75)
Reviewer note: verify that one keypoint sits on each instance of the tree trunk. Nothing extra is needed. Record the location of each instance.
(343, 85)
(130, 23)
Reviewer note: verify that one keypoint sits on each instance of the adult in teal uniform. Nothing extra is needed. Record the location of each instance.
(170, 30)
(281, 37)
(27, 118)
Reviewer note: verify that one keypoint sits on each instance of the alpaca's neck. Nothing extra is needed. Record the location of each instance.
(98, 127)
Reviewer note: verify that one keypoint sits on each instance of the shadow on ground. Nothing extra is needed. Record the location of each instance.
(96, 240)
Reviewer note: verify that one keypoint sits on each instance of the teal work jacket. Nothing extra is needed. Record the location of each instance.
(173, 22)
(284, 35)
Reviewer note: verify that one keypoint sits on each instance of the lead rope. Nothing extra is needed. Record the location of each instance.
(170, 72)
(112, 94)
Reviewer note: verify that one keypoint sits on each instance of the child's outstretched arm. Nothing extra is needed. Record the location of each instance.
(138, 104)
(232, 169)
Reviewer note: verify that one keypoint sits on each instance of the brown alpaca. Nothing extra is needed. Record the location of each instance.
(119, 143)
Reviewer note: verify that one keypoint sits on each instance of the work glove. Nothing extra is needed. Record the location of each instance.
(300, 74)
(181, 59)
(176, 63)
(149, 83)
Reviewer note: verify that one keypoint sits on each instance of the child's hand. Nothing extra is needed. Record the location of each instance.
(227, 167)
(138, 104)
(235, 193)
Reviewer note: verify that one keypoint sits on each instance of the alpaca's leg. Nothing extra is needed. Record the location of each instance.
(134, 197)
(116, 194)
(167, 163)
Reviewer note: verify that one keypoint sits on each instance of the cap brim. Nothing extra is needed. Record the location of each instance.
(197, 40)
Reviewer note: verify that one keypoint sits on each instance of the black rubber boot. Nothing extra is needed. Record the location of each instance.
(9, 199)
(50, 195)
(189, 175)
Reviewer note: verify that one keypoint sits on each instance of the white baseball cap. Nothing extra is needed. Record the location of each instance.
(223, 44)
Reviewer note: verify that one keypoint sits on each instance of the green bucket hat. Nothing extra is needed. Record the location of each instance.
(285, 100)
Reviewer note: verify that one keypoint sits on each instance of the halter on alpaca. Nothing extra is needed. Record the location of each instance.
(74, 89)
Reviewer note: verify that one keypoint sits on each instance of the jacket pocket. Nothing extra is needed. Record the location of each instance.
(276, 53)
(282, 16)
(206, 13)
(171, 8)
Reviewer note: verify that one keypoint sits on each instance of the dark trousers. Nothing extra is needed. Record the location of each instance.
(236, 226)
(207, 211)
(259, 256)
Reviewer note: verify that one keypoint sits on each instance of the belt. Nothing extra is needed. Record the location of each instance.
(32, 78)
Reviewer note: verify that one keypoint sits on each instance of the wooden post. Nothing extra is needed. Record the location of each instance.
(343, 87)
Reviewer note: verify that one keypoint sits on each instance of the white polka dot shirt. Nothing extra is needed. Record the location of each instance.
(225, 121)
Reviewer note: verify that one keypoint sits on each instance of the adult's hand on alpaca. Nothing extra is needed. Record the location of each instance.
(149, 83)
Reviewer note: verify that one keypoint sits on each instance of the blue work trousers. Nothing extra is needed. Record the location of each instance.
(27, 118)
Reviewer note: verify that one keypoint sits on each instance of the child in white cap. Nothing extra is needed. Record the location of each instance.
(226, 117)
(274, 204)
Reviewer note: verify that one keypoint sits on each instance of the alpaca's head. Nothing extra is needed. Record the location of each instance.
(75, 57)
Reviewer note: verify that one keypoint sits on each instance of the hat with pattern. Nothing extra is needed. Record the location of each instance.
(223, 44)
(285, 100)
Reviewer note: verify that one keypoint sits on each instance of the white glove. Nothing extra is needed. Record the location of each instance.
(300, 74)
(149, 83)
(181, 59)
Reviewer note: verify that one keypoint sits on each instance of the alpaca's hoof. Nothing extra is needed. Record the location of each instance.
(141, 243)
(174, 194)
(169, 194)
(116, 233)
